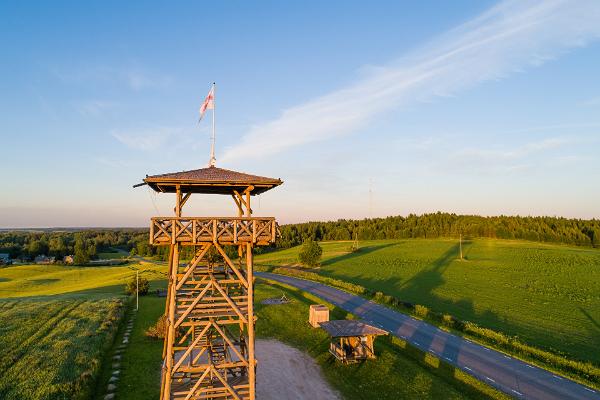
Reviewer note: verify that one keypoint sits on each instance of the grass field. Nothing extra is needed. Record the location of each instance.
(57, 324)
(60, 309)
(547, 295)
(47, 280)
(397, 374)
(52, 349)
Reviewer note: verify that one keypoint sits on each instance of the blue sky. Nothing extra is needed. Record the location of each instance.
(474, 107)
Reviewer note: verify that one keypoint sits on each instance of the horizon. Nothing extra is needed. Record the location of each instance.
(481, 108)
(75, 228)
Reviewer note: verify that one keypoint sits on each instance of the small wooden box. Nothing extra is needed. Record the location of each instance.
(318, 313)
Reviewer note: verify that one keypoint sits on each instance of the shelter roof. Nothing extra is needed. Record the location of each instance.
(350, 328)
(211, 180)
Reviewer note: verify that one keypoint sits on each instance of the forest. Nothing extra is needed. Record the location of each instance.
(540, 229)
(86, 244)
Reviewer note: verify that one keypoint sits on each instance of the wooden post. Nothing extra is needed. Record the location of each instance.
(251, 357)
(460, 245)
(170, 339)
(178, 204)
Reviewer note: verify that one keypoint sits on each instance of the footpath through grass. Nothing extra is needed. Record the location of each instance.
(546, 295)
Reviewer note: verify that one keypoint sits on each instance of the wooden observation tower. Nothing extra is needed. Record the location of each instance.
(209, 345)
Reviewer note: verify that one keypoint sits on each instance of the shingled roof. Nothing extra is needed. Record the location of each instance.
(350, 328)
(211, 180)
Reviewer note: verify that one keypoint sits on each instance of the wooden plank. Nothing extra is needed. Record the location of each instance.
(191, 306)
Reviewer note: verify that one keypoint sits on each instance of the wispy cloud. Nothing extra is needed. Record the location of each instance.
(508, 38)
(503, 160)
(163, 138)
(94, 108)
(593, 102)
(146, 140)
(515, 153)
(132, 77)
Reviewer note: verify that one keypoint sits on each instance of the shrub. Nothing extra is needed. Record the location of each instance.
(158, 330)
(143, 283)
(448, 320)
(421, 311)
(310, 253)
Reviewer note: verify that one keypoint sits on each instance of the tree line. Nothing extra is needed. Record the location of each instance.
(86, 244)
(578, 232)
(83, 245)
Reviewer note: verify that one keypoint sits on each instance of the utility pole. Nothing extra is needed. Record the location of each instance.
(370, 197)
(137, 290)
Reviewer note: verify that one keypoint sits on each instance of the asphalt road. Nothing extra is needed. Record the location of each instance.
(511, 376)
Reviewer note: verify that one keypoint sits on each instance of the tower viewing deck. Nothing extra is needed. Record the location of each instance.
(209, 343)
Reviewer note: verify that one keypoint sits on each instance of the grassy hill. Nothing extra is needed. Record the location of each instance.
(62, 308)
(50, 280)
(57, 324)
(547, 295)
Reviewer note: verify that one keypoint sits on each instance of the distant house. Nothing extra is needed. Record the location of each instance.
(69, 259)
(5, 259)
(42, 259)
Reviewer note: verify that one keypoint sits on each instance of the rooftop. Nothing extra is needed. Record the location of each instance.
(350, 328)
(211, 180)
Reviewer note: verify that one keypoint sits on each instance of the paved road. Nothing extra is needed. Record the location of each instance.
(512, 376)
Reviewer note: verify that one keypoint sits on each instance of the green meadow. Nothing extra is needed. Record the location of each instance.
(58, 324)
(52, 349)
(64, 322)
(51, 280)
(547, 295)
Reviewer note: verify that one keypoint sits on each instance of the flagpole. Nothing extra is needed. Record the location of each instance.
(212, 142)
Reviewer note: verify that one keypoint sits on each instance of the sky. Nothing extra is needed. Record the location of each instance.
(472, 107)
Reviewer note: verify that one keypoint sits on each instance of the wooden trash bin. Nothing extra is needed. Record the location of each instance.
(318, 313)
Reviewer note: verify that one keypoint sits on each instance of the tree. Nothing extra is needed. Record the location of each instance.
(143, 286)
(57, 246)
(34, 248)
(81, 256)
(91, 250)
(310, 253)
(596, 237)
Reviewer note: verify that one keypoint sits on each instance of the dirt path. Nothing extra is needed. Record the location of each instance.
(285, 373)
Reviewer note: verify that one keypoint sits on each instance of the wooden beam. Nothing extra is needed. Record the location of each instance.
(193, 265)
(185, 199)
(231, 265)
(251, 356)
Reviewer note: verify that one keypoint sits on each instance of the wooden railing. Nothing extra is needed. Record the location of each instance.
(337, 351)
(360, 352)
(226, 230)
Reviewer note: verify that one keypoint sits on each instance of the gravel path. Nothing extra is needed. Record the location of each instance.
(286, 373)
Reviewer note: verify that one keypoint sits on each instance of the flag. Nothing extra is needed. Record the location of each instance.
(209, 102)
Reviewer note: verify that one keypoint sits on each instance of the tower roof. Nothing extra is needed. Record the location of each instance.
(210, 180)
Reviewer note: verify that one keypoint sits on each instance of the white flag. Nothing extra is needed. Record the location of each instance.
(209, 103)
